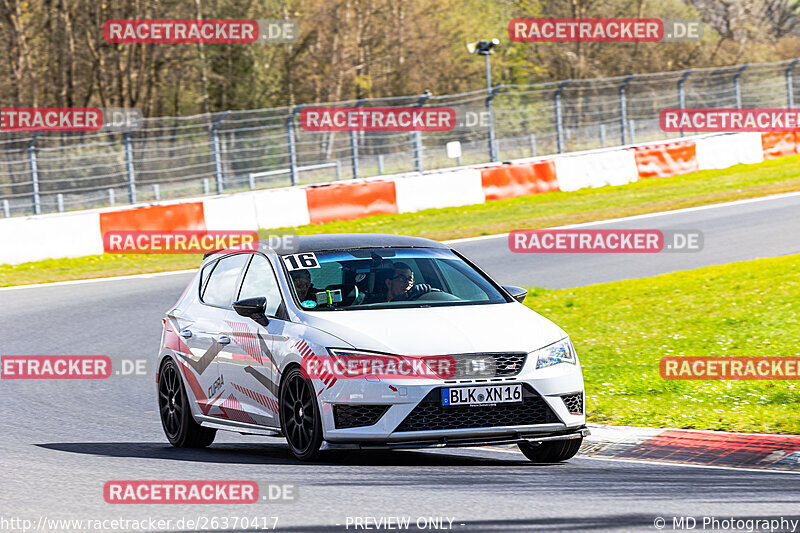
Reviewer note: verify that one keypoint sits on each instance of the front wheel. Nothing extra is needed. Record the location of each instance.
(300, 418)
(176, 417)
(553, 451)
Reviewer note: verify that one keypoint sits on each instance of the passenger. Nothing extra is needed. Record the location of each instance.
(302, 284)
(401, 285)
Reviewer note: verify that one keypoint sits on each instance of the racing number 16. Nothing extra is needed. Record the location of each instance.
(301, 261)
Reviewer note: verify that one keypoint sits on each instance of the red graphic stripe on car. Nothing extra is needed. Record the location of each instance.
(243, 337)
(233, 410)
(329, 380)
(269, 403)
(202, 401)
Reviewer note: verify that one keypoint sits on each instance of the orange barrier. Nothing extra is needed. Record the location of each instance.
(346, 201)
(664, 160)
(520, 179)
(779, 144)
(188, 216)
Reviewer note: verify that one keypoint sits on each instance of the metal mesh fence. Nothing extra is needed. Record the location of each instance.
(174, 157)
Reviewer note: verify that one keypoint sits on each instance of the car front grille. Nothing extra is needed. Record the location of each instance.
(355, 416)
(574, 403)
(430, 414)
(488, 365)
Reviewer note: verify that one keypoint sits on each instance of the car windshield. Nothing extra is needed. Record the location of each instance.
(381, 278)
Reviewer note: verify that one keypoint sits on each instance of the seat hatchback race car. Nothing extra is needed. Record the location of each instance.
(365, 341)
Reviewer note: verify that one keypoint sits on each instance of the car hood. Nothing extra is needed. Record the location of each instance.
(509, 327)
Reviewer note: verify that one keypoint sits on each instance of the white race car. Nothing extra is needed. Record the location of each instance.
(249, 346)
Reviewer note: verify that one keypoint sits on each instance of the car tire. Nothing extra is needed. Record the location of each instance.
(176, 414)
(303, 430)
(553, 451)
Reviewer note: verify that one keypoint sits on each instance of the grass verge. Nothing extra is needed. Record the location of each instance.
(538, 211)
(621, 330)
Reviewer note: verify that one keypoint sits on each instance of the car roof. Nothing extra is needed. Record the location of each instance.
(344, 241)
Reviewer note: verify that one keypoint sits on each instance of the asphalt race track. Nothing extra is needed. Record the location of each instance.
(62, 440)
(739, 231)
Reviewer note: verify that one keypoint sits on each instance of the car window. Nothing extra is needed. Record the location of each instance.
(457, 276)
(222, 283)
(260, 281)
(204, 275)
(389, 277)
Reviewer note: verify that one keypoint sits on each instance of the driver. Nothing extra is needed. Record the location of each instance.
(302, 284)
(401, 285)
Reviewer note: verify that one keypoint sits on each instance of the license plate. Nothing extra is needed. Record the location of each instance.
(484, 395)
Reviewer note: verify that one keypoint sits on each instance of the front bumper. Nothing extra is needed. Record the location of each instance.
(409, 415)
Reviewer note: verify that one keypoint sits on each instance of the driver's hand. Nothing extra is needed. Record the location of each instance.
(420, 289)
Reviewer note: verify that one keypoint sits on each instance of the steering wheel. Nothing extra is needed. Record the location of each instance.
(418, 294)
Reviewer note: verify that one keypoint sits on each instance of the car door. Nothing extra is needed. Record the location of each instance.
(247, 365)
(205, 336)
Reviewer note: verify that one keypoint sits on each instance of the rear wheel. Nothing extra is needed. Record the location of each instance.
(553, 451)
(300, 418)
(176, 416)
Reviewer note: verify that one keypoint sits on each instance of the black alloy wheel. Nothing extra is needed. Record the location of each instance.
(300, 418)
(176, 417)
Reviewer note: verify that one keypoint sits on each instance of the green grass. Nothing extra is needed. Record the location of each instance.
(621, 331)
(537, 211)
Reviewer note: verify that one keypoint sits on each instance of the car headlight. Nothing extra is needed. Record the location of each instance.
(559, 352)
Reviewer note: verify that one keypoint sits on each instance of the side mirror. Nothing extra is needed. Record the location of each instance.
(254, 308)
(518, 293)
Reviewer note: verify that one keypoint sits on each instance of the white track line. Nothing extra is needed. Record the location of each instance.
(454, 241)
(96, 280)
(642, 216)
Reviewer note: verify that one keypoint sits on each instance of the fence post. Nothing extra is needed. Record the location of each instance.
(338, 169)
(736, 86)
(6, 209)
(380, 163)
(354, 145)
(111, 200)
(215, 150)
(632, 129)
(559, 118)
(603, 135)
(681, 97)
(126, 141)
(156, 192)
(532, 140)
(206, 188)
(37, 204)
(623, 109)
(789, 88)
(60, 202)
(292, 146)
(417, 136)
